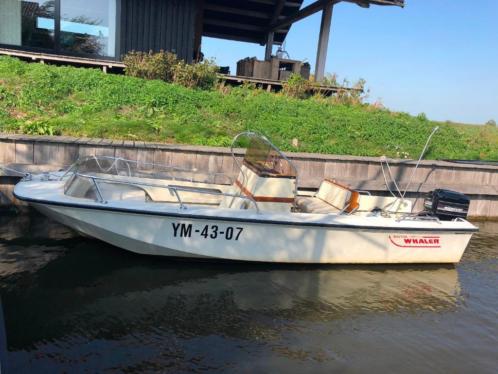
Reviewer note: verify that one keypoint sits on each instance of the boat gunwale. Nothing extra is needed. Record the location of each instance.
(245, 220)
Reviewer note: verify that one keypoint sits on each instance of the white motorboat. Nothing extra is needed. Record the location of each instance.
(261, 216)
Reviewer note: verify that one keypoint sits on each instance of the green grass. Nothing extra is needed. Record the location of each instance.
(41, 99)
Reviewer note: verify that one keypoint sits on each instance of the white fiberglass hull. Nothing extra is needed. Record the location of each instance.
(166, 236)
(245, 236)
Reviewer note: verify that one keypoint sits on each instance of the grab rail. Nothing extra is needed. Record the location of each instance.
(99, 192)
(173, 190)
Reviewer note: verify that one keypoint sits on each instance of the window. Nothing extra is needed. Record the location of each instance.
(38, 23)
(10, 22)
(87, 27)
(27, 23)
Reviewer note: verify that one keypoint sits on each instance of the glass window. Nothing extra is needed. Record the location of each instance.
(88, 27)
(38, 23)
(10, 22)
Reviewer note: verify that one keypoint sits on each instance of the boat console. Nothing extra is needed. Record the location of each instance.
(266, 175)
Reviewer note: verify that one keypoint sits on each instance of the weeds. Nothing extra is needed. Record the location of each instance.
(297, 87)
(39, 128)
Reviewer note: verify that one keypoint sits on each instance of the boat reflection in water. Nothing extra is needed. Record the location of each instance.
(74, 303)
(98, 293)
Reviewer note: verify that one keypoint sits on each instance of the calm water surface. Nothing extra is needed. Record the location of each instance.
(73, 304)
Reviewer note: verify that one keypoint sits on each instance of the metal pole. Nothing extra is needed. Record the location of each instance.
(323, 42)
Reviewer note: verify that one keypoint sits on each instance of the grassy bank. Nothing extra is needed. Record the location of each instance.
(41, 99)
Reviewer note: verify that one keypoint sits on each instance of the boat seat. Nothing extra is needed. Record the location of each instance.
(332, 197)
(311, 204)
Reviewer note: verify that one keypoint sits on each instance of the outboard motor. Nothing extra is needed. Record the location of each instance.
(447, 205)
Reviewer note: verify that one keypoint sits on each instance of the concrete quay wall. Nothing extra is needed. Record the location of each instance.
(41, 153)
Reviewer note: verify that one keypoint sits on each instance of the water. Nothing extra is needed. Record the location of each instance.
(73, 304)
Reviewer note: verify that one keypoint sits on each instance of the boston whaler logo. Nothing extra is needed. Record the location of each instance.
(415, 241)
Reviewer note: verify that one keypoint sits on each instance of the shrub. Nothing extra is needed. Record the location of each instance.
(151, 65)
(167, 67)
(201, 75)
(491, 122)
(296, 86)
(422, 117)
(330, 80)
(350, 95)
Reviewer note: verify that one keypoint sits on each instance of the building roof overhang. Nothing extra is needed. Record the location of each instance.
(252, 20)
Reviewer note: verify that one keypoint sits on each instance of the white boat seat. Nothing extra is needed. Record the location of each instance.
(311, 204)
(333, 197)
(337, 196)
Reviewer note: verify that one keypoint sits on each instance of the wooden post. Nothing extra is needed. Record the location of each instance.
(269, 46)
(323, 42)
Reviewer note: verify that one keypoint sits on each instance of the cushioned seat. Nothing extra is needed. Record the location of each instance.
(310, 204)
(332, 197)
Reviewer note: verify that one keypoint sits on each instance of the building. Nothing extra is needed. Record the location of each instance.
(108, 29)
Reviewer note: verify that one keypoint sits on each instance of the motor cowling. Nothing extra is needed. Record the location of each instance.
(446, 204)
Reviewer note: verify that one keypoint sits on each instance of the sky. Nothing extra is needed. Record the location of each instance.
(438, 57)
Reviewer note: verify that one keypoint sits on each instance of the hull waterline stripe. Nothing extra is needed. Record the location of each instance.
(243, 220)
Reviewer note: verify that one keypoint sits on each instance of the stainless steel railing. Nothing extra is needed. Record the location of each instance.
(174, 190)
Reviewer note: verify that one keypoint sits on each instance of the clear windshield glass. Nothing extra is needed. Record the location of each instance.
(267, 159)
(111, 166)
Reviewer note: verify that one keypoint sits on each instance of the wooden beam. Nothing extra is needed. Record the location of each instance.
(301, 14)
(320, 4)
(323, 42)
(278, 10)
(220, 35)
(238, 11)
(233, 25)
(37, 56)
(292, 4)
(367, 3)
(275, 84)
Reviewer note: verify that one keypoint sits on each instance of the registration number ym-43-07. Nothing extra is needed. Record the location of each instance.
(187, 230)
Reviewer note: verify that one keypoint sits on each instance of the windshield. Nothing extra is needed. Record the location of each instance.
(112, 166)
(266, 159)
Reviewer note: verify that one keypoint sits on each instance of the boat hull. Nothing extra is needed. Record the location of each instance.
(216, 238)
